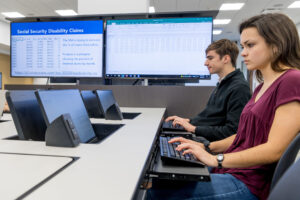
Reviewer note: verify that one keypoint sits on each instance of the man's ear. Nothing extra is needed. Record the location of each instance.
(226, 59)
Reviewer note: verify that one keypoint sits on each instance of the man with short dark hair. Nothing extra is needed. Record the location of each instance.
(220, 118)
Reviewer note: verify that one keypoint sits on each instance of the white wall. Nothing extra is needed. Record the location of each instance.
(298, 28)
(112, 6)
(4, 37)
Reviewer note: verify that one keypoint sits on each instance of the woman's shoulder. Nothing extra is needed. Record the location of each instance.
(291, 77)
(293, 73)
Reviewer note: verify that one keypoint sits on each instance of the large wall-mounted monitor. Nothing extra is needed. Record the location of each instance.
(158, 47)
(57, 49)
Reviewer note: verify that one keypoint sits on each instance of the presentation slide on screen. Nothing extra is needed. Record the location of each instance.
(57, 49)
(173, 46)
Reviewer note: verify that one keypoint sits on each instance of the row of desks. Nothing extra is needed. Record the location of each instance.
(108, 170)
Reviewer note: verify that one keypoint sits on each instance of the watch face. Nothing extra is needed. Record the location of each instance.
(220, 157)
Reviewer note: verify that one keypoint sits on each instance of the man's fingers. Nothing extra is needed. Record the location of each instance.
(170, 118)
(177, 139)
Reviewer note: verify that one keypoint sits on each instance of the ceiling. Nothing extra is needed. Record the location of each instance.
(31, 8)
(251, 8)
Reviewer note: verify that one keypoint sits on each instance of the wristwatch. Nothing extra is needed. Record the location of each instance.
(220, 158)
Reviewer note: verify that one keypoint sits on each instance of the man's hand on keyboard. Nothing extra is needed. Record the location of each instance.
(172, 118)
(195, 148)
(185, 124)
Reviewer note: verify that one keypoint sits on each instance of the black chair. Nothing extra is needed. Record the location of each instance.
(286, 160)
(288, 185)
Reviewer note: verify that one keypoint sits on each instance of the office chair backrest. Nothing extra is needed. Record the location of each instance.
(286, 160)
(288, 185)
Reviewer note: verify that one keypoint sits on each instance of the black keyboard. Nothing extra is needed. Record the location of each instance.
(170, 156)
(169, 126)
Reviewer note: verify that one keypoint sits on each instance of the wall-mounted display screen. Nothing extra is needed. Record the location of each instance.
(57, 49)
(158, 47)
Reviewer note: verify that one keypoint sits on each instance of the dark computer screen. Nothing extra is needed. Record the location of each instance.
(91, 103)
(158, 47)
(57, 49)
(57, 102)
(109, 105)
(26, 114)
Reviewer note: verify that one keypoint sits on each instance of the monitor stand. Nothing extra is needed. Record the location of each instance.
(145, 82)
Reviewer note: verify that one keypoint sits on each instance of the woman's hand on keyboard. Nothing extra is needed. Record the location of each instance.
(184, 140)
(197, 149)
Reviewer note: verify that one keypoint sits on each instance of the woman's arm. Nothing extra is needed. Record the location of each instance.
(197, 148)
(286, 125)
(221, 145)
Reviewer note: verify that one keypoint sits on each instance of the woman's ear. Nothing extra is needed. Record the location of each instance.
(274, 51)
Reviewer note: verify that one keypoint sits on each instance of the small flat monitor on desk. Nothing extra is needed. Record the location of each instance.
(26, 114)
(166, 48)
(57, 49)
(110, 108)
(57, 102)
(91, 103)
(108, 105)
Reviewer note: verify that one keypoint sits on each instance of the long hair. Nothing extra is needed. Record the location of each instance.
(281, 34)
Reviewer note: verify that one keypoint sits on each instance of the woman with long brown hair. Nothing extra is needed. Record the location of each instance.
(245, 162)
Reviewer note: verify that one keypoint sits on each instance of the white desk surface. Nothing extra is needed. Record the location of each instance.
(19, 173)
(109, 170)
